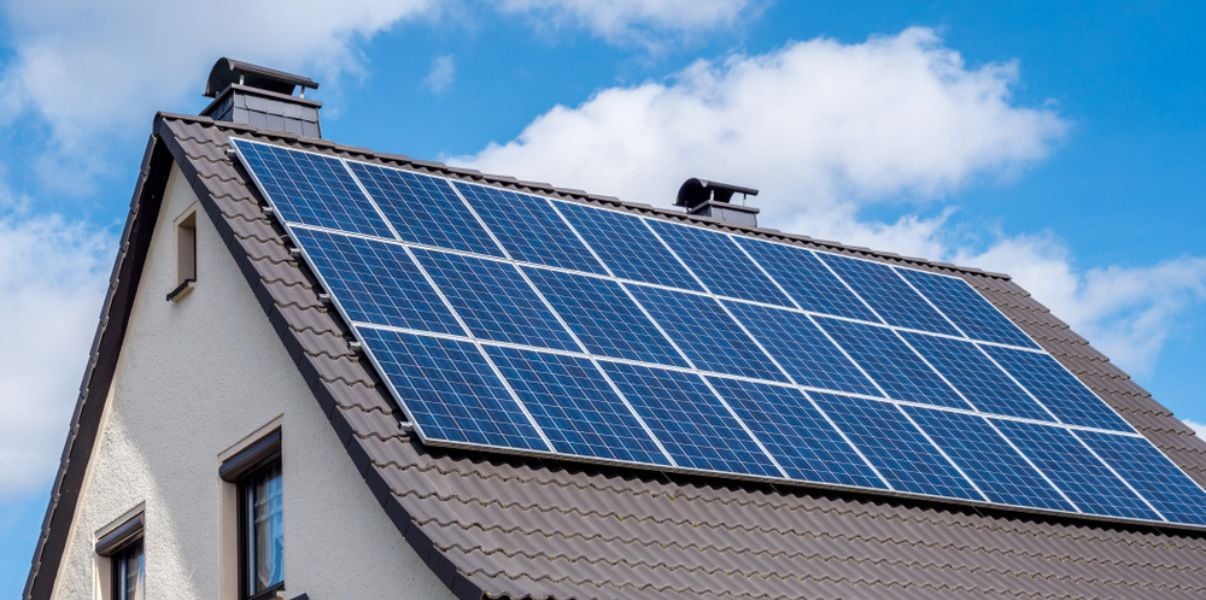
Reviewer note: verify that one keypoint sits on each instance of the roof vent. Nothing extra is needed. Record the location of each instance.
(714, 199)
(261, 97)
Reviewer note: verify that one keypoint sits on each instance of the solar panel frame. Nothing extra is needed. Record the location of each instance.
(553, 202)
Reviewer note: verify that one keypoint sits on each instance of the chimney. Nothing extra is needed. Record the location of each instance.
(261, 97)
(714, 199)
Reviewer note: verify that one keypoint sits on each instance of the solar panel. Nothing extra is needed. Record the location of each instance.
(628, 246)
(376, 282)
(494, 300)
(809, 282)
(802, 349)
(607, 321)
(718, 263)
(892, 364)
(450, 391)
(518, 323)
(1081, 475)
(889, 294)
(312, 189)
(575, 406)
(690, 421)
(424, 209)
(988, 459)
(967, 308)
(707, 335)
(529, 228)
(1056, 388)
(805, 444)
(1168, 488)
(896, 447)
(970, 371)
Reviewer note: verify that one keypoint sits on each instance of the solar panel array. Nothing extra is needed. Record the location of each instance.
(527, 324)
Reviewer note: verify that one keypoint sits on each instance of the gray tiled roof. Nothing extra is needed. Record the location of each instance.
(511, 527)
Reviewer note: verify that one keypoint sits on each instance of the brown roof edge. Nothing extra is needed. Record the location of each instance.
(473, 175)
(102, 362)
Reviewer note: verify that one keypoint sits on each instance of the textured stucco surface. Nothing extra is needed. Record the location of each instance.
(196, 377)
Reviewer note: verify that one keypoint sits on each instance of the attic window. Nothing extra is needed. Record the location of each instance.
(186, 255)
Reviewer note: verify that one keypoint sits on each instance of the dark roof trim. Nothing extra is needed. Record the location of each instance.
(106, 348)
(473, 175)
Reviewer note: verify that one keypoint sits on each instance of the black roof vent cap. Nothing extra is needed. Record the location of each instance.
(714, 200)
(695, 192)
(228, 72)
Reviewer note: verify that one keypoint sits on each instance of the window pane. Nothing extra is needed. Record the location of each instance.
(265, 540)
(129, 575)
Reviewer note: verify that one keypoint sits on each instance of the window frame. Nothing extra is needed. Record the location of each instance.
(186, 254)
(243, 469)
(115, 546)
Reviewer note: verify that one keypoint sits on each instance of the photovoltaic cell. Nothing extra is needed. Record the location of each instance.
(627, 246)
(1075, 470)
(529, 229)
(807, 280)
(888, 294)
(312, 189)
(971, 372)
(691, 423)
(494, 300)
(575, 407)
(707, 335)
(1168, 488)
(891, 363)
(424, 209)
(376, 282)
(802, 349)
(967, 308)
(450, 390)
(1056, 388)
(901, 453)
(796, 433)
(607, 321)
(987, 459)
(714, 258)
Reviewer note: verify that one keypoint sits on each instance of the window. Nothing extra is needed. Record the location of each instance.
(256, 472)
(263, 563)
(186, 255)
(129, 573)
(124, 562)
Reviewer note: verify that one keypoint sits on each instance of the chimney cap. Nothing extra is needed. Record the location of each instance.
(227, 72)
(695, 192)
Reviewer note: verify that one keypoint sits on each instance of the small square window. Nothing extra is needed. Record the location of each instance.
(186, 255)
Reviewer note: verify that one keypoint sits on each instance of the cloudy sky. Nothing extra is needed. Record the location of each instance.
(1064, 146)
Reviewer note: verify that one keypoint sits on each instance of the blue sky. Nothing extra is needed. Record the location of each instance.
(1062, 143)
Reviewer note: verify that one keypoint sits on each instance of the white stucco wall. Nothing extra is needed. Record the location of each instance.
(194, 379)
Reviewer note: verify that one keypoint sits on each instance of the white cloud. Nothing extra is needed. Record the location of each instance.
(1198, 428)
(101, 68)
(632, 21)
(828, 129)
(440, 74)
(53, 274)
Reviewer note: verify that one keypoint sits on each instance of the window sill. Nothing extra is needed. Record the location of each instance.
(272, 593)
(181, 290)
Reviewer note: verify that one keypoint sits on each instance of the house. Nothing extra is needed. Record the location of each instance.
(234, 438)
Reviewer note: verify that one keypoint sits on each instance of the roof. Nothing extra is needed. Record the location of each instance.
(512, 527)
